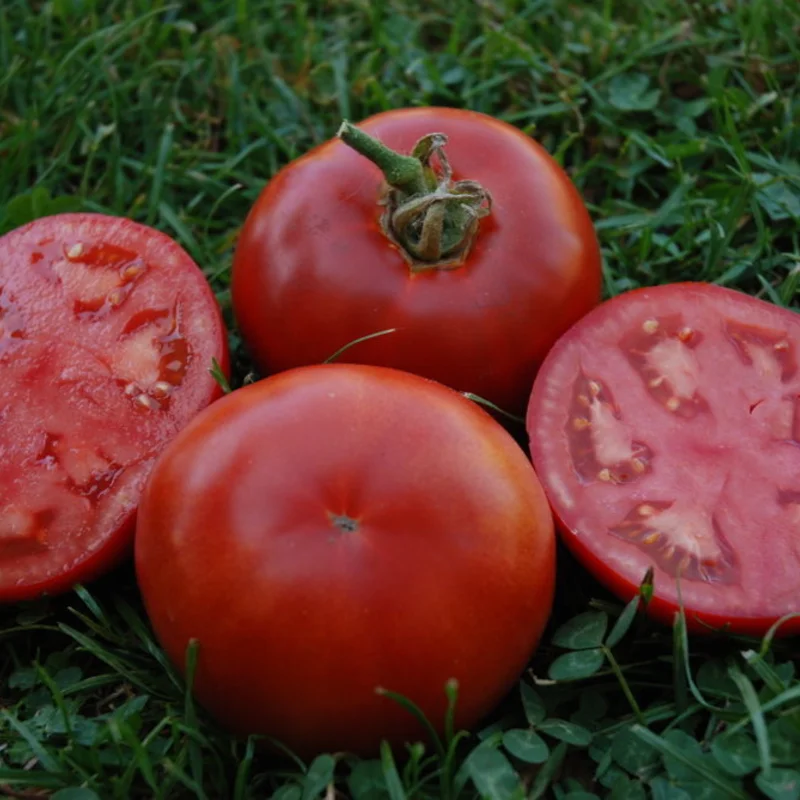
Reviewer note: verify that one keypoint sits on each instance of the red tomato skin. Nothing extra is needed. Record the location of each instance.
(313, 270)
(450, 573)
(117, 544)
(659, 609)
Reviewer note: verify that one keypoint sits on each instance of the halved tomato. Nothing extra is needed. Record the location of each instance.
(665, 427)
(107, 333)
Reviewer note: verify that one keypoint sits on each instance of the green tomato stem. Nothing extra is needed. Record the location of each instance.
(432, 219)
(402, 172)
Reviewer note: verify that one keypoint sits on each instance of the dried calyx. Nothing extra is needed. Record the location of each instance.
(433, 219)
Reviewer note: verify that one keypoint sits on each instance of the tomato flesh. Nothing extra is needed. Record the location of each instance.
(335, 529)
(107, 331)
(665, 427)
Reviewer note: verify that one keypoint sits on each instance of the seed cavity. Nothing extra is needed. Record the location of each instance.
(11, 322)
(682, 540)
(666, 362)
(97, 279)
(765, 349)
(16, 524)
(601, 443)
(23, 531)
(88, 472)
(151, 357)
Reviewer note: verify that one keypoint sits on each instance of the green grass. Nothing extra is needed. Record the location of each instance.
(677, 120)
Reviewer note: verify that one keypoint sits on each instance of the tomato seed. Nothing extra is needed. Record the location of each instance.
(145, 401)
(161, 389)
(133, 271)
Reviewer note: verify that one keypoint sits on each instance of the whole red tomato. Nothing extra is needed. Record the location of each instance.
(335, 529)
(477, 273)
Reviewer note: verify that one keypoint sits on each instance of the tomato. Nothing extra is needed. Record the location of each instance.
(666, 429)
(107, 332)
(338, 528)
(476, 279)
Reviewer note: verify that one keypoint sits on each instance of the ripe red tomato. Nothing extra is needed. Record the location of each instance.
(314, 268)
(666, 429)
(338, 528)
(107, 331)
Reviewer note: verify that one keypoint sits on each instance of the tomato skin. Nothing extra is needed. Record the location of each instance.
(313, 271)
(715, 440)
(447, 569)
(61, 396)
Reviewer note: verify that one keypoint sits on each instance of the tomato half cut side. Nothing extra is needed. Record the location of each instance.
(665, 427)
(107, 332)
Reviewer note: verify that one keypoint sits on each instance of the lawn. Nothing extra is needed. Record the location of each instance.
(678, 122)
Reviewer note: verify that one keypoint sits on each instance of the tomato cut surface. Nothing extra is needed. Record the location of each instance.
(335, 529)
(665, 427)
(107, 332)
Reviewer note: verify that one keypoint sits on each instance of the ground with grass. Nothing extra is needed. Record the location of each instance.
(677, 121)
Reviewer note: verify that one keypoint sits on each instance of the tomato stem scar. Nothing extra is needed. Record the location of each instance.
(344, 523)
